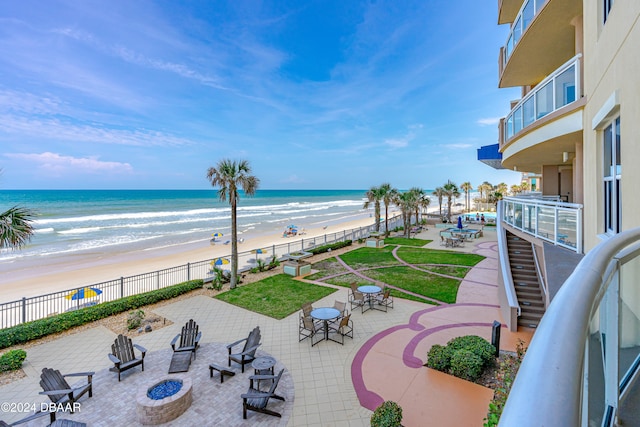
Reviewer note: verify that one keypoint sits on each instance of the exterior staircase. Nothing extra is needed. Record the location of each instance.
(525, 281)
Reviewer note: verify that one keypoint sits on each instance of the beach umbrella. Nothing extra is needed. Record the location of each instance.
(83, 293)
(259, 251)
(220, 261)
(460, 223)
(216, 235)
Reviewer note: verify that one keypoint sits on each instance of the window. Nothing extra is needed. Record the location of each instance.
(608, 4)
(611, 177)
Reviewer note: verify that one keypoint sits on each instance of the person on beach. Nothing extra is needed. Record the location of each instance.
(482, 219)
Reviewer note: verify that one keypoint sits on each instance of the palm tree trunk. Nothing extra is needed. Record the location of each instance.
(234, 243)
(377, 212)
(386, 219)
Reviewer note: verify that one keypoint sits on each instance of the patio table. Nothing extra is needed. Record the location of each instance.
(370, 291)
(325, 314)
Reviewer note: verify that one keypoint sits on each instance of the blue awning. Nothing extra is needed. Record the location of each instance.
(490, 155)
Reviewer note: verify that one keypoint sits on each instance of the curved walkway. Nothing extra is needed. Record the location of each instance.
(389, 366)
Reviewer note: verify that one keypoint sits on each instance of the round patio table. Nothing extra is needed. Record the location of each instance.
(370, 291)
(325, 314)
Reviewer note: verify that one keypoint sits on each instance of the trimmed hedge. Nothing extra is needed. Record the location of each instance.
(12, 360)
(388, 414)
(465, 357)
(61, 322)
(326, 248)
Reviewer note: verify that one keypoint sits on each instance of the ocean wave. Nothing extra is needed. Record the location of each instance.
(130, 215)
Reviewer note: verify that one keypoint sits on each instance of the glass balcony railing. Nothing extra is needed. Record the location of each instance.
(560, 88)
(528, 11)
(556, 222)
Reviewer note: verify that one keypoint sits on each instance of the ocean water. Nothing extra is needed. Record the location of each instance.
(73, 222)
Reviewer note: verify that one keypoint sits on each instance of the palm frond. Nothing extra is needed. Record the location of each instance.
(16, 227)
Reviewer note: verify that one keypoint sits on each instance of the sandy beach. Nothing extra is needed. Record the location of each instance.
(53, 274)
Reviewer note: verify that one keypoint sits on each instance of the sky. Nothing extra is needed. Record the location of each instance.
(313, 94)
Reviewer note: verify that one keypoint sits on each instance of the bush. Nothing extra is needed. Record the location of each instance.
(466, 365)
(134, 319)
(439, 357)
(477, 345)
(12, 360)
(327, 248)
(388, 414)
(39, 328)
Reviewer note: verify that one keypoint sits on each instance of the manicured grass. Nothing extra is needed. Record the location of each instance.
(276, 296)
(436, 287)
(436, 256)
(364, 257)
(326, 268)
(346, 279)
(405, 242)
(448, 270)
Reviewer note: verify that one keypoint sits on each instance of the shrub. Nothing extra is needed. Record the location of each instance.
(39, 328)
(506, 374)
(477, 345)
(439, 357)
(134, 319)
(12, 360)
(327, 248)
(273, 263)
(388, 414)
(262, 266)
(466, 365)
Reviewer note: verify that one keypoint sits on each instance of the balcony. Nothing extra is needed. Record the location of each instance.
(544, 124)
(508, 10)
(558, 223)
(582, 366)
(560, 88)
(491, 156)
(541, 38)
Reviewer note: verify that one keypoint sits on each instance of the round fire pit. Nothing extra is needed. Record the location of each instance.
(164, 401)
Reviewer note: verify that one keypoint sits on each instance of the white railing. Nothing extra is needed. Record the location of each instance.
(556, 222)
(583, 361)
(528, 11)
(560, 88)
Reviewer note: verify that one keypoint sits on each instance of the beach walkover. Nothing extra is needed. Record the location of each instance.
(327, 384)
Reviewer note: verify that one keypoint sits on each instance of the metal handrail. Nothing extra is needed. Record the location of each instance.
(512, 298)
(548, 389)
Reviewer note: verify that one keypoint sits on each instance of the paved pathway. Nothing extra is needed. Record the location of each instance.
(333, 384)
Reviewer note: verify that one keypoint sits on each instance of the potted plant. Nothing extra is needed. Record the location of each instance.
(388, 414)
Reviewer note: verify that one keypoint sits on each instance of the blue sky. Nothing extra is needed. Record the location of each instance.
(314, 94)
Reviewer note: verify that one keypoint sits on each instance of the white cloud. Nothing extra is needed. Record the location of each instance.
(459, 146)
(57, 164)
(489, 121)
(54, 128)
(404, 141)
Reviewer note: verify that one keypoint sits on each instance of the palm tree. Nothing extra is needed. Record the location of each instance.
(451, 191)
(388, 194)
(406, 202)
(439, 193)
(229, 176)
(16, 227)
(515, 189)
(375, 196)
(421, 200)
(502, 188)
(467, 187)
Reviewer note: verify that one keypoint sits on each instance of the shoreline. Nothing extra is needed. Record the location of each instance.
(34, 277)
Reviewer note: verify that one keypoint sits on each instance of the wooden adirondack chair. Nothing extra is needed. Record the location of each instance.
(52, 416)
(256, 400)
(59, 391)
(123, 356)
(248, 353)
(189, 338)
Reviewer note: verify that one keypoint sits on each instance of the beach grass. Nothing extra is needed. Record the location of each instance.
(276, 296)
(405, 241)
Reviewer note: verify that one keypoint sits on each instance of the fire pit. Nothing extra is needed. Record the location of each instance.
(164, 401)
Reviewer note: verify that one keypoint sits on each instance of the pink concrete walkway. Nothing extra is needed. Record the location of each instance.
(389, 366)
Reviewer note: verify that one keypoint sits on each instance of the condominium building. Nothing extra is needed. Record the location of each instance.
(570, 251)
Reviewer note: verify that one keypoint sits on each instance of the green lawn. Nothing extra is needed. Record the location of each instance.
(276, 296)
(365, 257)
(326, 268)
(436, 287)
(448, 270)
(405, 242)
(436, 256)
